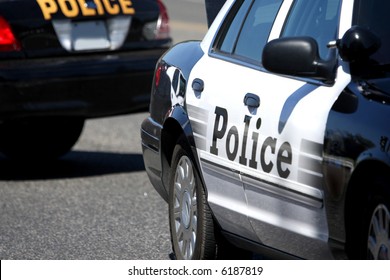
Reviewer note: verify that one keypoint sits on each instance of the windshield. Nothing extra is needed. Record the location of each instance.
(374, 15)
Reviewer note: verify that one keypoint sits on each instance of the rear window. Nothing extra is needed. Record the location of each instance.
(247, 31)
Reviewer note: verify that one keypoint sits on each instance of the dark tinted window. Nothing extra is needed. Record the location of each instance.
(256, 29)
(230, 38)
(249, 31)
(374, 14)
(314, 18)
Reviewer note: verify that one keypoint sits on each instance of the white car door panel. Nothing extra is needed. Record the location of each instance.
(278, 158)
(288, 204)
(214, 119)
(261, 136)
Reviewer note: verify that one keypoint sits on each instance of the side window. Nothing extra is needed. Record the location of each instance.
(315, 18)
(256, 29)
(249, 30)
(230, 37)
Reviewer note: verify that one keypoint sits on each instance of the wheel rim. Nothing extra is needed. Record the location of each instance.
(185, 208)
(379, 234)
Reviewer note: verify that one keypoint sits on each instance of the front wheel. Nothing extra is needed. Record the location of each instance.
(378, 241)
(190, 219)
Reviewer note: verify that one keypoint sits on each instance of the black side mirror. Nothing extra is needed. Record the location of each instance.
(358, 44)
(297, 56)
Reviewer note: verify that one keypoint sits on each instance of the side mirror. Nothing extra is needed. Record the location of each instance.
(297, 56)
(358, 44)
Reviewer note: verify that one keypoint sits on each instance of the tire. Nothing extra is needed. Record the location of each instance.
(378, 240)
(39, 138)
(370, 221)
(190, 219)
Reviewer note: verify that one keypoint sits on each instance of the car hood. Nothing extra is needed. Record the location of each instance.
(377, 89)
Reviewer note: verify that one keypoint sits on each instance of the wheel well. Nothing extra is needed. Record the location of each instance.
(169, 136)
(361, 189)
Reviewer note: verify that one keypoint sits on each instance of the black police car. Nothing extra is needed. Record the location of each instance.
(63, 61)
(274, 131)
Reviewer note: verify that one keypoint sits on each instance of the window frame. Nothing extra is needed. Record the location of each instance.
(332, 54)
(275, 33)
(215, 50)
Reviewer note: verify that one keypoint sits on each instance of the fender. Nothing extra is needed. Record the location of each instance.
(175, 59)
(168, 112)
(348, 146)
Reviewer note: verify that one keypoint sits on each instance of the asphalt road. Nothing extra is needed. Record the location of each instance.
(96, 202)
(188, 19)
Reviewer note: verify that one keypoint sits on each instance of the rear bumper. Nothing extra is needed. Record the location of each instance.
(90, 86)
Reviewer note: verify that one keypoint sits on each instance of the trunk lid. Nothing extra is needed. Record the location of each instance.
(62, 27)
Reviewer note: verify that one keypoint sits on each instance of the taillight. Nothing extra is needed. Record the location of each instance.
(157, 74)
(158, 29)
(8, 42)
(163, 29)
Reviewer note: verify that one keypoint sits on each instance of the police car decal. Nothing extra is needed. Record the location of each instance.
(245, 142)
(86, 8)
(310, 158)
(92, 34)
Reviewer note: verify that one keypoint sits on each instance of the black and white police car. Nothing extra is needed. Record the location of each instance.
(274, 131)
(64, 61)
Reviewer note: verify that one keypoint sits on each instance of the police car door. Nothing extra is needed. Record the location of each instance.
(264, 128)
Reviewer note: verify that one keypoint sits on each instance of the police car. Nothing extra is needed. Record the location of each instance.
(64, 61)
(273, 132)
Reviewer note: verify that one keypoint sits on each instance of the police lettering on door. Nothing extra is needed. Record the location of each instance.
(280, 156)
(75, 8)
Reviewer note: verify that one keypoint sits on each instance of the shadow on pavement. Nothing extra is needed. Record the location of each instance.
(72, 165)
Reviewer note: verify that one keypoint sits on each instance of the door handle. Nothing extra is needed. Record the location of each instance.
(252, 100)
(198, 85)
